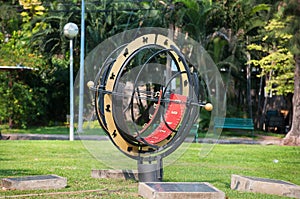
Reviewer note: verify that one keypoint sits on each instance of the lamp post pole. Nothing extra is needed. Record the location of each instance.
(70, 31)
(71, 93)
(81, 74)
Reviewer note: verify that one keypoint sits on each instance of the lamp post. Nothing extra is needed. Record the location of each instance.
(81, 71)
(70, 31)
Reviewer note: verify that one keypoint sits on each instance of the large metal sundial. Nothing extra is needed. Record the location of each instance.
(147, 91)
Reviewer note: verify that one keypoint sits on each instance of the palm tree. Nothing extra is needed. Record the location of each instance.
(231, 26)
(223, 28)
(47, 35)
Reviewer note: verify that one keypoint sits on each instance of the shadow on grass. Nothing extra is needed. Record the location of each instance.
(16, 172)
(5, 159)
(230, 134)
(234, 133)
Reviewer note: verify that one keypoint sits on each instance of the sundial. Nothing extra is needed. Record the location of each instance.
(147, 90)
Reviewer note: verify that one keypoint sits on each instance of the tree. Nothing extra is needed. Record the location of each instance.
(238, 24)
(279, 52)
(22, 93)
(19, 90)
(47, 38)
(9, 18)
(271, 55)
(291, 14)
(224, 28)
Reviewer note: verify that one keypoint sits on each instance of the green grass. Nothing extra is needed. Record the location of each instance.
(60, 130)
(51, 130)
(73, 161)
(97, 130)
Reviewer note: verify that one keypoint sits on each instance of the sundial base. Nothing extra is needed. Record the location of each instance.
(146, 172)
(179, 190)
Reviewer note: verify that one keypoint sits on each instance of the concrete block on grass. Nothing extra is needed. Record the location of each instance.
(115, 174)
(179, 190)
(34, 182)
(264, 185)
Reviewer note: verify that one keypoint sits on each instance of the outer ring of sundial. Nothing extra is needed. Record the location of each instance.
(140, 42)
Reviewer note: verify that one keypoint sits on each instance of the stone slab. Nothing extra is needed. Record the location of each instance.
(115, 174)
(34, 182)
(264, 185)
(179, 190)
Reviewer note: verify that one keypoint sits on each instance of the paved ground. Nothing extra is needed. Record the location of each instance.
(263, 140)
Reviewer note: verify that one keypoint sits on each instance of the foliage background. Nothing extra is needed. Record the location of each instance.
(245, 39)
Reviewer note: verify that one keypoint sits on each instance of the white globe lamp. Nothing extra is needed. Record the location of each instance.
(70, 30)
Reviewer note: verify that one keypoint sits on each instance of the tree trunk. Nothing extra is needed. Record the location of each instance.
(249, 97)
(293, 136)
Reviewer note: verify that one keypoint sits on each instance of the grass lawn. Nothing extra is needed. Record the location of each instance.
(60, 130)
(73, 161)
(49, 130)
(97, 130)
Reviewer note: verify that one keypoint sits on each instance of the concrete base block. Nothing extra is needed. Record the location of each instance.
(34, 182)
(179, 190)
(115, 174)
(264, 185)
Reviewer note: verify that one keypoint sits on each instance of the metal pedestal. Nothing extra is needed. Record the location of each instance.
(150, 171)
